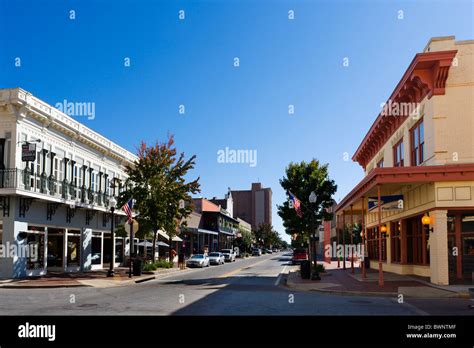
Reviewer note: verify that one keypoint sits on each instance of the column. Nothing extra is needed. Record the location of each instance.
(364, 238)
(379, 232)
(344, 239)
(438, 247)
(403, 242)
(65, 249)
(458, 241)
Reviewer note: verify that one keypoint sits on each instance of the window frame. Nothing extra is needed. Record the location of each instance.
(417, 153)
(399, 148)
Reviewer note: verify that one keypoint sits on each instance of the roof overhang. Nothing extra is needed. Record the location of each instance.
(405, 175)
(426, 76)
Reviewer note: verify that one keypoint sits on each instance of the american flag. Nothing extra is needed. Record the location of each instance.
(296, 204)
(127, 208)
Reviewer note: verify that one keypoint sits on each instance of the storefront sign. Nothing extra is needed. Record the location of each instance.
(28, 152)
(388, 203)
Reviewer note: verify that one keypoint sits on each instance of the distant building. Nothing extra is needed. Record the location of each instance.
(227, 203)
(254, 205)
(209, 228)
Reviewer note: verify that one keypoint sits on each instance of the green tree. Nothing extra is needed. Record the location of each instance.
(266, 236)
(162, 194)
(302, 179)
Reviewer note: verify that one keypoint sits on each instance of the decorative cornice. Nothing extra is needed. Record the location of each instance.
(24, 104)
(426, 76)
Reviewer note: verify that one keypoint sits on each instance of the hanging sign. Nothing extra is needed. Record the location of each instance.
(387, 203)
(28, 152)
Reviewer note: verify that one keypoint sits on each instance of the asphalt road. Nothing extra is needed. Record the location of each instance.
(252, 286)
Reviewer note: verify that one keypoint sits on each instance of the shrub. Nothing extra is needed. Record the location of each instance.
(149, 267)
(163, 264)
(320, 268)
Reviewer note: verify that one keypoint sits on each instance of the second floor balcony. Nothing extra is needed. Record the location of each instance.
(12, 180)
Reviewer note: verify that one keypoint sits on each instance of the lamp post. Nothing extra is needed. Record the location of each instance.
(315, 276)
(113, 204)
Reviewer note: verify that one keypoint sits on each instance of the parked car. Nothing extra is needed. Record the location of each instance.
(229, 255)
(275, 250)
(216, 258)
(198, 260)
(256, 252)
(269, 251)
(299, 255)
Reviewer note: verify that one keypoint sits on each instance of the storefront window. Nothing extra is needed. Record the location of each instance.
(395, 244)
(119, 250)
(73, 249)
(468, 246)
(35, 257)
(96, 248)
(55, 248)
(467, 223)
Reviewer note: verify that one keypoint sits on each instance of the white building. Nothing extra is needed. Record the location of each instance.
(57, 203)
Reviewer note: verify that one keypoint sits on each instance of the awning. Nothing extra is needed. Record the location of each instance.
(150, 244)
(200, 230)
(396, 176)
(164, 235)
(227, 233)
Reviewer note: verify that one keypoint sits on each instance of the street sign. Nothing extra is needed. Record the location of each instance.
(28, 152)
(135, 226)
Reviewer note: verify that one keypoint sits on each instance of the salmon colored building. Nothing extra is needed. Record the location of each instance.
(416, 201)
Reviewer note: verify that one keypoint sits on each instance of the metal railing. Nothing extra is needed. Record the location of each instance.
(48, 185)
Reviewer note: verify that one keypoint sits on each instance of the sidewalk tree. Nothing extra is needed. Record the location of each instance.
(157, 181)
(301, 180)
(265, 235)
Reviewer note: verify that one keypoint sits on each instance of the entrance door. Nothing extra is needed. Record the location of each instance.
(55, 249)
(451, 259)
(468, 258)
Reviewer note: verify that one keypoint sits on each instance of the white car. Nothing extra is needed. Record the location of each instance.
(229, 255)
(216, 258)
(198, 260)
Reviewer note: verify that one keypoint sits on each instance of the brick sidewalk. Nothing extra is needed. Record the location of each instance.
(97, 278)
(340, 281)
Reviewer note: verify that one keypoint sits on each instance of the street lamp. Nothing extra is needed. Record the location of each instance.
(313, 238)
(112, 204)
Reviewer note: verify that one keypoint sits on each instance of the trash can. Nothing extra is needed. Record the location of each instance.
(305, 269)
(366, 262)
(137, 267)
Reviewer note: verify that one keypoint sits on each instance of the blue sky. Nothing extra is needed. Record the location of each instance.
(190, 62)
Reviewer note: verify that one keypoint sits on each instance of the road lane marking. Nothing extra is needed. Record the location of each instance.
(279, 276)
(225, 275)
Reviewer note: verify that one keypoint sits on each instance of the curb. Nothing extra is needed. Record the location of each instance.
(369, 294)
(344, 293)
(44, 286)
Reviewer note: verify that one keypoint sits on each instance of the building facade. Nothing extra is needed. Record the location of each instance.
(208, 228)
(254, 205)
(57, 202)
(418, 158)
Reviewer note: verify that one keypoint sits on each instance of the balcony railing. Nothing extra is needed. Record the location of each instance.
(48, 185)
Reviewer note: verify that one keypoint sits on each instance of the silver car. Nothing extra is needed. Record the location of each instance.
(198, 260)
(216, 258)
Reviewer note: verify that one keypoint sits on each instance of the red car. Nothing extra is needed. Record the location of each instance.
(299, 255)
